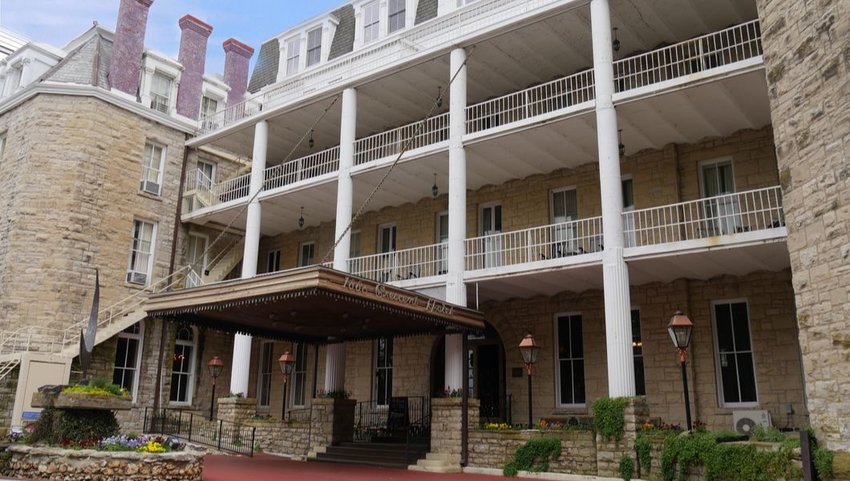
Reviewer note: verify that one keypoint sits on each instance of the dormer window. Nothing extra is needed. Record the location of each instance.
(293, 55)
(314, 46)
(161, 92)
(396, 15)
(371, 22)
(209, 106)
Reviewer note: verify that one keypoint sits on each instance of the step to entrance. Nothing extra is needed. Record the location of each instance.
(391, 455)
(436, 463)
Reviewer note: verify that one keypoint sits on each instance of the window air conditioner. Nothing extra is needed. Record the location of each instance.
(150, 187)
(137, 277)
(744, 422)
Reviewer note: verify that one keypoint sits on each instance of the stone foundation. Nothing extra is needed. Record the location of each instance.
(332, 421)
(446, 426)
(609, 452)
(57, 464)
(493, 449)
(281, 438)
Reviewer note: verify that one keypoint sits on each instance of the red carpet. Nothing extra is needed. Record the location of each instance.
(264, 467)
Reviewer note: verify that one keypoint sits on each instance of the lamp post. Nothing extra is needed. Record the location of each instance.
(529, 349)
(680, 329)
(215, 366)
(287, 363)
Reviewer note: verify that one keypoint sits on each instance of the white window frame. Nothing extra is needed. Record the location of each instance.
(162, 102)
(206, 181)
(302, 262)
(133, 274)
(292, 52)
(265, 370)
(146, 183)
(190, 374)
(139, 338)
(308, 49)
(403, 14)
(491, 246)
(388, 368)
(193, 238)
(717, 361)
(557, 359)
(371, 21)
(273, 261)
(299, 376)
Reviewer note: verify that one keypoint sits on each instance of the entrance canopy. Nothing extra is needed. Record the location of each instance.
(313, 304)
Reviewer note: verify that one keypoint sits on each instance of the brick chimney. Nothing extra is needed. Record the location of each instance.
(193, 54)
(129, 45)
(236, 58)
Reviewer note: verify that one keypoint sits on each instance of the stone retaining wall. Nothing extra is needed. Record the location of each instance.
(281, 438)
(57, 464)
(492, 449)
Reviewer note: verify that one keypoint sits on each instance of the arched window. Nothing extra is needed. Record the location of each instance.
(128, 358)
(183, 365)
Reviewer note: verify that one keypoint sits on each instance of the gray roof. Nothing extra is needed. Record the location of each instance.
(88, 64)
(265, 70)
(343, 41)
(426, 10)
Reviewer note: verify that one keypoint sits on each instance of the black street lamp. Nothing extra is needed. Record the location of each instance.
(680, 329)
(215, 366)
(529, 349)
(287, 363)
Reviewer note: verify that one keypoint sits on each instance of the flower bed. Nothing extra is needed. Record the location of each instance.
(49, 463)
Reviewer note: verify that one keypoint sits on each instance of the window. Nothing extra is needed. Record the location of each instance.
(183, 366)
(383, 370)
(354, 247)
(264, 383)
(161, 92)
(209, 106)
(299, 375)
(396, 17)
(273, 264)
(628, 188)
(442, 238)
(461, 3)
(152, 162)
(371, 22)
(386, 238)
(490, 225)
(735, 363)
(314, 46)
(570, 357)
(13, 78)
(306, 254)
(293, 55)
(141, 252)
(206, 175)
(128, 357)
(564, 230)
(196, 256)
(720, 210)
(637, 352)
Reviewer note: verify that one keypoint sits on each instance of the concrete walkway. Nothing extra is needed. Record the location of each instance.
(265, 467)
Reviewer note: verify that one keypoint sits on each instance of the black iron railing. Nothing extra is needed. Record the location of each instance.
(217, 433)
(402, 419)
(495, 410)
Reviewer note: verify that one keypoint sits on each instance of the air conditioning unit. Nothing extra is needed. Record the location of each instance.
(137, 277)
(149, 187)
(744, 422)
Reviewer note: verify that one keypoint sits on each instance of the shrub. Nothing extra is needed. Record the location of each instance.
(534, 456)
(98, 386)
(627, 468)
(643, 447)
(609, 417)
(78, 427)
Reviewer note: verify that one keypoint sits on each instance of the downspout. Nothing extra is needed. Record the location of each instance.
(157, 401)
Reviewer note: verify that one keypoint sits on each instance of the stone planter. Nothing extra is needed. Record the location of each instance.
(29, 462)
(79, 400)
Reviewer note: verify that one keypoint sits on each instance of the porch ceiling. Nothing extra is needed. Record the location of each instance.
(313, 304)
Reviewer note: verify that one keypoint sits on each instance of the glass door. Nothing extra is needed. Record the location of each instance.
(490, 225)
(721, 211)
(386, 245)
(564, 212)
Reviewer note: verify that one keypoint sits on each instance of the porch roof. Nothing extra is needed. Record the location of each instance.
(313, 304)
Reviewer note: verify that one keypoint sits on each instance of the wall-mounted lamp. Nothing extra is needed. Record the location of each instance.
(435, 191)
(301, 219)
(311, 142)
(621, 146)
(439, 96)
(616, 43)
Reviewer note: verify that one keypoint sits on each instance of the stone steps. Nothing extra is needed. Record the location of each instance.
(395, 455)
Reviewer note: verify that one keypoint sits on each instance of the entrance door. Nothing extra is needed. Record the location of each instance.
(721, 210)
(564, 212)
(490, 224)
(488, 380)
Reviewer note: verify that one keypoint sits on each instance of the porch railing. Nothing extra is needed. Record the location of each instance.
(405, 419)
(313, 165)
(414, 135)
(534, 244)
(216, 433)
(727, 214)
(412, 263)
(713, 50)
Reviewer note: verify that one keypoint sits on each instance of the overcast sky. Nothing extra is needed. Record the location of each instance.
(56, 22)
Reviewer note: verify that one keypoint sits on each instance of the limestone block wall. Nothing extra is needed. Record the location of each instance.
(292, 439)
(493, 449)
(446, 417)
(610, 451)
(807, 66)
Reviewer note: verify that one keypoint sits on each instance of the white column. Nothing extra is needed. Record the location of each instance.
(241, 342)
(335, 367)
(455, 288)
(618, 325)
(345, 186)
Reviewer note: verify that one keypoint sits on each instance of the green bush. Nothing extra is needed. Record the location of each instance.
(81, 426)
(44, 430)
(609, 417)
(627, 468)
(822, 459)
(643, 447)
(534, 455)
(769, 434)
(98, 386)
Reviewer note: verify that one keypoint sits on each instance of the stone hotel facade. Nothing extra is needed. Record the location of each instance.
(402, 189)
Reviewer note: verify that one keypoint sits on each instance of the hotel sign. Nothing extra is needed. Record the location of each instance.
(388, 293)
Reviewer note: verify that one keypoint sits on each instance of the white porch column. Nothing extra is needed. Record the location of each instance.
(455, 288)
(242, 343)
(345, 186)
(618, 325)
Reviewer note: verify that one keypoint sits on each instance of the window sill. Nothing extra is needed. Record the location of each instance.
(150, 196)
(138, 287)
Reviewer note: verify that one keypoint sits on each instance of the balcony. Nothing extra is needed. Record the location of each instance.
(719, 54)
(727, 234)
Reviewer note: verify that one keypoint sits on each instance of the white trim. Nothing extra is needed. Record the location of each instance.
(143, 181)
(557, 360)
(293, 381)
(302, 262)
(379, 244)
(721, 402)
(263, 345)
(718, 160)
(140, 337)
(487, 205)
(190, 381)
(273, 255)
(131, 273)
